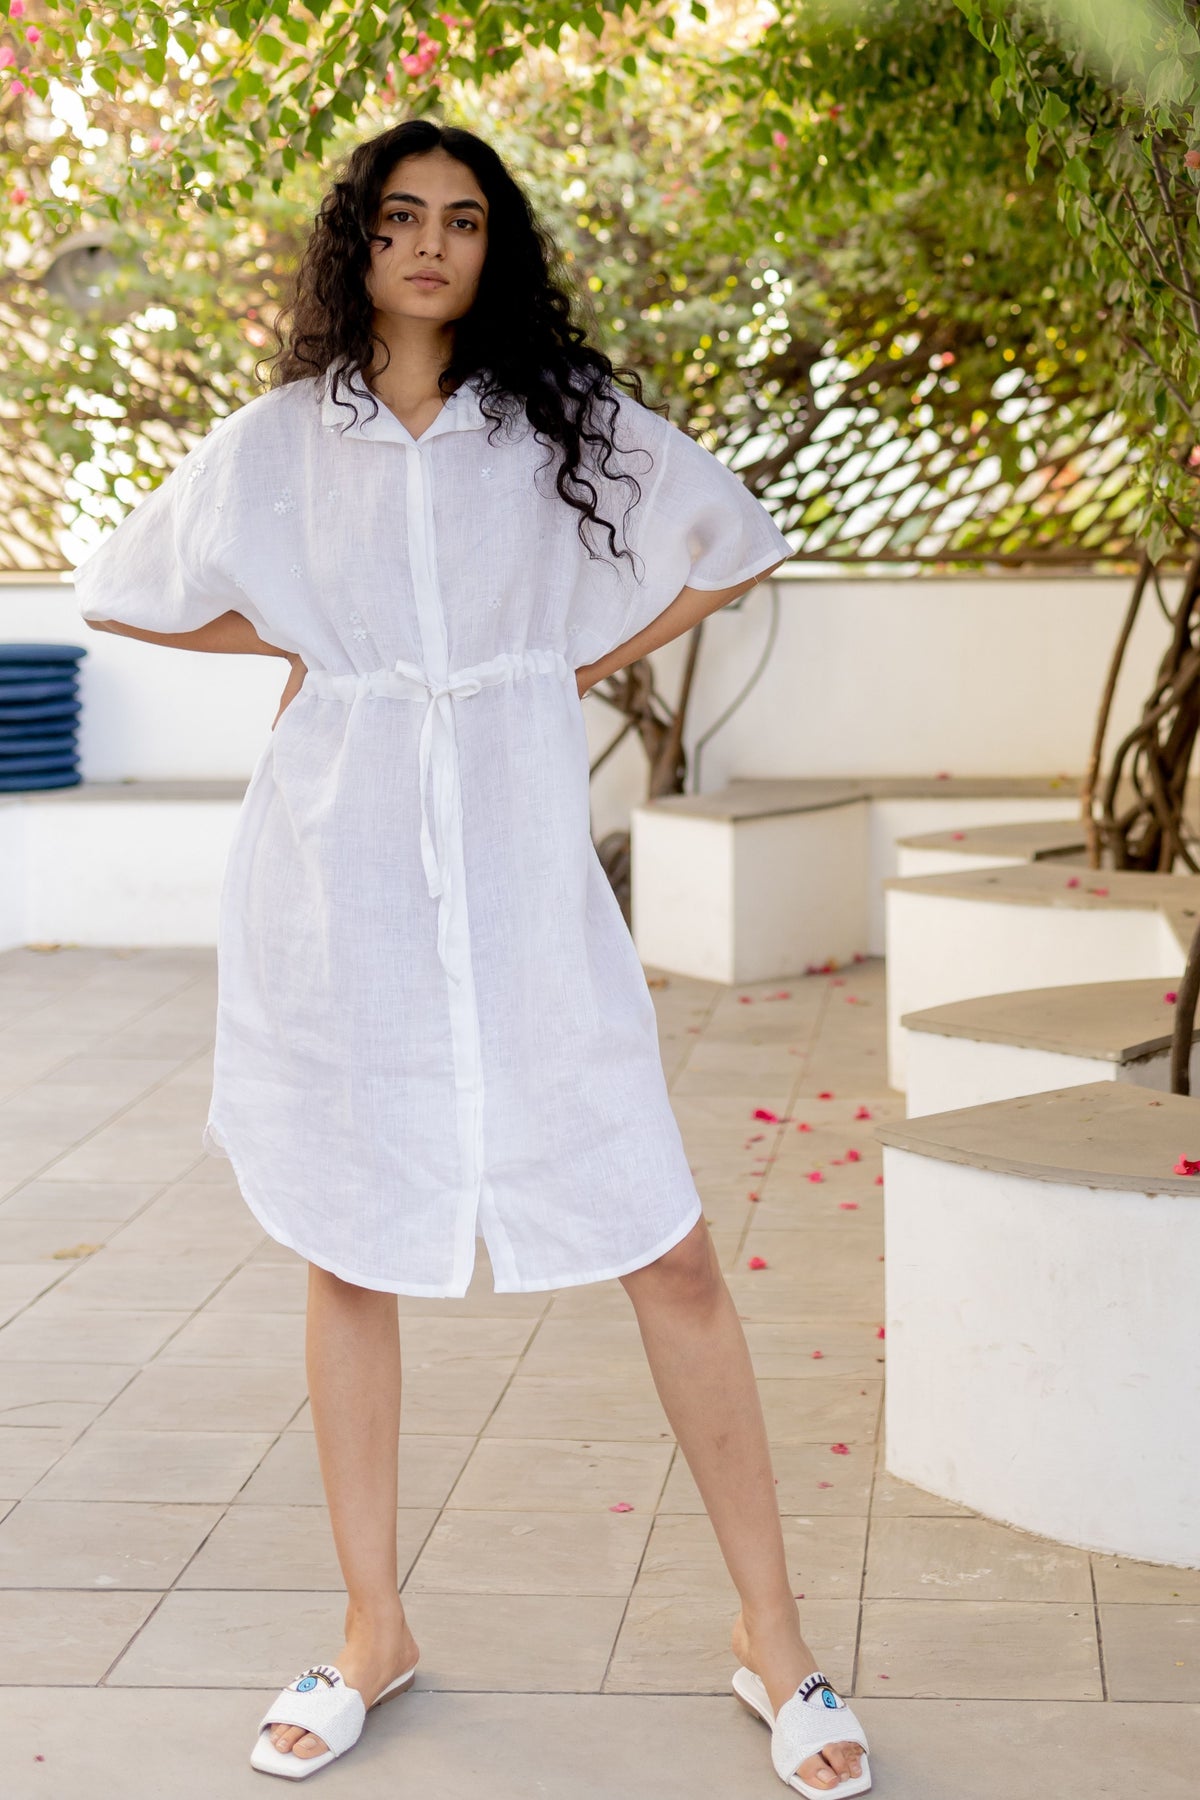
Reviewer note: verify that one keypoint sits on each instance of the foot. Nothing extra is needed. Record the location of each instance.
(781, 1660)
(372, 1656)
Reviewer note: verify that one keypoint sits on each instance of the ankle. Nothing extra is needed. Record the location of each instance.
(780, 1620)
(376, 1618)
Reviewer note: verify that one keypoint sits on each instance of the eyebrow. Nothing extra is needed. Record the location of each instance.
(451, 206)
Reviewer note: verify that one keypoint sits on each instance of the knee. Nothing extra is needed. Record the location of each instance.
(687, 1273)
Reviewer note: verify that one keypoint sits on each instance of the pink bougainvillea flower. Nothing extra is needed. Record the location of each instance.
(864, 1112)
(764, 1112)
(1186, 1167)
(17, 87)
(8, 56)
(621, 1506)
(853, 1156)
(19, 196)
(803, 1125)
(825, 1096)
(848, 1205)
(33, 35)
(756, 1262)
(840, 1449)
(882, 1332)
(1170, 996)
(879, 1181)
(817, 1355)
(1074, 881)
(815, 1175)
(17, 9)
(779, 139)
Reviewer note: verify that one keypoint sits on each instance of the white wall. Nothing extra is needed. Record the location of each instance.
(998, 676)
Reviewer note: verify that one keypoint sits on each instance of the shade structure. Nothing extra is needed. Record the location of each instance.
(39, 716)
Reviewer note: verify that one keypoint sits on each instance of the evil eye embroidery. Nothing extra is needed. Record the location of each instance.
(829, 1698)
(310, 1678)
(305, 1683)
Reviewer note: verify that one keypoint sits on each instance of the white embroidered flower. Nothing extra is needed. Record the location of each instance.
(197, 470)
(286, 502)
(485, 474)
(296, 568)
(494, 601)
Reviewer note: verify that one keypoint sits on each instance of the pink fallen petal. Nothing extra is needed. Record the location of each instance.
(942, 775)
(815, 1175)
(882, 1332)
(825, 1096)
(848, 1205)
(803, 1126)
(824, 1484)
(621, 1506)
(817, 1355)
(840, 1449)
(958, 836)
(864, 1112)
(756, 1262)
(1074, 881)
(838, 1160)
(745, 1000)
(840, 981)
(883, 1678)
(783, 994)
(1186, 1167)
(1170, 996)
(764, 1112)
(859, 957)
(853, 1156)
(879, 1181)
(1101, 891)
(752, 1196)
(757, 1138)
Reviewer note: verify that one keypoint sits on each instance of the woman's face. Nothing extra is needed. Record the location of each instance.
(435, 214)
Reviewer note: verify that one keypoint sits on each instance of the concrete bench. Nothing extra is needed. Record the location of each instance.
(998, 930)
(996, 1046)
(137, 862)
(986, 846)
(763, 878)
(1042, 1266)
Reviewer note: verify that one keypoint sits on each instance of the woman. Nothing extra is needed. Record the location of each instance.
(431, 1019)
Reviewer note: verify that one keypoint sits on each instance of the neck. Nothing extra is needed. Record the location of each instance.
(415, 351)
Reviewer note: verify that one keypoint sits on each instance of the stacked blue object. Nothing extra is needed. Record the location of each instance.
(39, 716)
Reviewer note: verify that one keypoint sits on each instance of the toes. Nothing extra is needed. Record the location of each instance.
(836, 1763)
(310, 1745)
(817, 1773)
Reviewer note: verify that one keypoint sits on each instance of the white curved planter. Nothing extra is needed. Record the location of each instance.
(1041, 1277)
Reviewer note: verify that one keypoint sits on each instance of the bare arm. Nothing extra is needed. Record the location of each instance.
(687, 609)
(229, 635)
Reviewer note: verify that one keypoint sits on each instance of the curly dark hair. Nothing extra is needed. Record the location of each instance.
(521, 335)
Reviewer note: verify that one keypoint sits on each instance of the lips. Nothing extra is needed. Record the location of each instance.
(427, 280)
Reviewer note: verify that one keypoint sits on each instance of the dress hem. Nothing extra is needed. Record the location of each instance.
(215, 1145)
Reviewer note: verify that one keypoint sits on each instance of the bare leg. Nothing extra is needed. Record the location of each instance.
(352, 1356)
(701, 1367)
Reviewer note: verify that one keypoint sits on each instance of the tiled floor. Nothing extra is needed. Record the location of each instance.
(165, 1554)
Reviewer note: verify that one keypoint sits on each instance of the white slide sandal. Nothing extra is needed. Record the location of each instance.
(815, 1715)
(320, 1701)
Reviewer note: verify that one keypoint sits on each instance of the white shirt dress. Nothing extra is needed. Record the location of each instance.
(432, 1023)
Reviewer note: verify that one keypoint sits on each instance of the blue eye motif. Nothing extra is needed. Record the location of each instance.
(309, 1681)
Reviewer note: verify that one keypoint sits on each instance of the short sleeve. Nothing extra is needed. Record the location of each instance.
(163, 568)
(697, 525)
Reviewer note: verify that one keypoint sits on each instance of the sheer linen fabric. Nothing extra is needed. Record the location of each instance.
(432, 1023)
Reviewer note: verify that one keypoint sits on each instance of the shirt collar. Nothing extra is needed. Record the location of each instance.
(462, 412)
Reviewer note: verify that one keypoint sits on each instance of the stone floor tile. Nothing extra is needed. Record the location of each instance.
(680, 1644)
(624, 1407)
(979, 1649)
(788, 1348)
(1151, 1652)
(134, 1281)
(265, 1338)
(259, 1397)
(825, 1558)
(971, 1559)
(110, 1334)
(111, 1200)
(27, 1452)
(99, 1543)
(264, 1287)
(289, 1474)
(502, 1552)
(60, 1394)
(154, 1465)
(457, 1401)
(287, 1547)
(230, 1637)
(30, 1240)
(570, 1346)
(64, 1637)
(531, 1643)
(894, 1498)
(1120, 1578)
(811, 1480)
(520, 1474)
(836, 1410)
